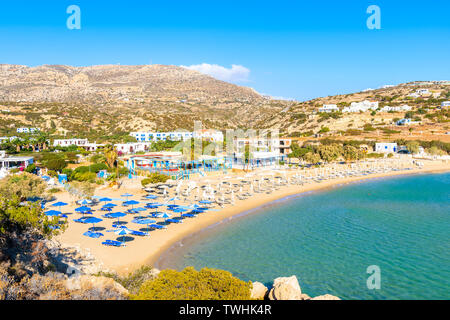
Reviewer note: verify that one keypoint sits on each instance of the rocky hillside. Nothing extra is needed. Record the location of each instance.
(430, 120)
(110, 99)
(100, 102)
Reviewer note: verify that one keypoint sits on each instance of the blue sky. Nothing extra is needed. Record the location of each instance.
(292, 49)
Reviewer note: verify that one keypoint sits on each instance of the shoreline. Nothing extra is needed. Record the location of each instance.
(156, 259)
(149, 250)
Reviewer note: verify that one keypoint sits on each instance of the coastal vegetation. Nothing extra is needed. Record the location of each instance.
(190, 284)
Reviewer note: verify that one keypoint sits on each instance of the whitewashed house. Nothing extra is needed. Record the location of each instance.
(133, 147)
(362, 106)
(209, 135)
(70, 142)
(329, 108)
(386, 147)
(27, 130)
(445, 104)
(148, 136)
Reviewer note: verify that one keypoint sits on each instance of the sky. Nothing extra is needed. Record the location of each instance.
(287, 49)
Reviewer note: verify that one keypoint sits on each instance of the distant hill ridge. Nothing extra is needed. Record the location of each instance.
(107, 83)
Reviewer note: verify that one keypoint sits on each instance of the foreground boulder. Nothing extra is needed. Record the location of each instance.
(259, 291)
(285, 288)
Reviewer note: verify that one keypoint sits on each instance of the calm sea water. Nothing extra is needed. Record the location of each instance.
(329, 238)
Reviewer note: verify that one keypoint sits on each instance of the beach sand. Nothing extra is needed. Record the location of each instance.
(147, 250)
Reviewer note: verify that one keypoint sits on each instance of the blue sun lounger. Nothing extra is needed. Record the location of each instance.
(157, 226)
(174, 220)
(113, 243)
(138, 233)
(81, 220)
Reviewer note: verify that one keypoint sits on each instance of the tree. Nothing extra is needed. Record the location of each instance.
(110, 157)
(15, 217)
(18, 144)
(23, 186)
(352, 153)
(189, 284)
(413, 146)
(312, 157)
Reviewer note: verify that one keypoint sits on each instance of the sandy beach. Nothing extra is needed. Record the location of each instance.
(148, 249)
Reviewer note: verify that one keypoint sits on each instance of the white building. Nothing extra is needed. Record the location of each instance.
(70, 142)
(280, 146)
(422, 92)
(133, 147)
(15, 162)
(362, 106)
(396, 109)
(386, 147)
(445, 104)
(147, 136)
(329, 108)
(209, 135)
(5, 139)
(27, 130)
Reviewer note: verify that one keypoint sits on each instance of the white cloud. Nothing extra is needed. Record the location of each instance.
(236, 73)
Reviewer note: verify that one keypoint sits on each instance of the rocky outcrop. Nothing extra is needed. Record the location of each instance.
(259, 291)
(288, 288)
(285, 288)
(95, 287)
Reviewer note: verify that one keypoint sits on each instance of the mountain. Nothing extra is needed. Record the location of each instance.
(98, 85)
(110, 99)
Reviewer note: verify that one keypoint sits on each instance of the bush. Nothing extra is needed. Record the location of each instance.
(84, 176)
(31, 168)
(134, 280)
(154, 178)
(55, 164)
(189, 284)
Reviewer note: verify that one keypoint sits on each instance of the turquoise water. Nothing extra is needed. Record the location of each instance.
(329, 238)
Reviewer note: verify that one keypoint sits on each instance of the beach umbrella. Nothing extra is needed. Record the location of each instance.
(105, 200)
(117, 215)
(84, 202)
(130, 203)
(174, 199)
(91, 234)
(165, 215)
(123, 231)
(151, 196)
(59, 205)
(52, 213)
(188, 215)
(93, 220)
(147, 222)
(126, 195)
(205, 202)
(109, 205)
(83, 209)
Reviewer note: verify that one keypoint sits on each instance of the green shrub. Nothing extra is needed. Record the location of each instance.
(154, 178)
(55, 164)
(84, 176)
(30, 168)
(189, 284)
(134, 280)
